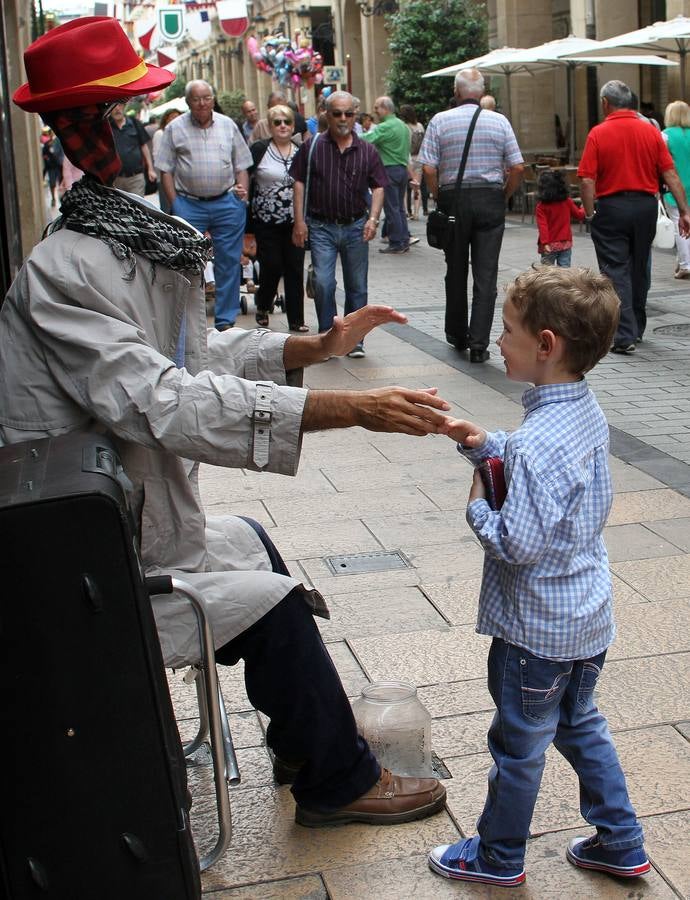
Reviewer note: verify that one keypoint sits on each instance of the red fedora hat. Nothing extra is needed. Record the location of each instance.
(84, 61)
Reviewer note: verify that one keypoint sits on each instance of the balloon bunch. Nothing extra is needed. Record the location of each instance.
(289, 63)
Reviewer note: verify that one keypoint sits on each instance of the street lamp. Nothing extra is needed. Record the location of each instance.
(378, 8)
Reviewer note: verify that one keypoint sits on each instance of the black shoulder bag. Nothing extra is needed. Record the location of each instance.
(439, 226)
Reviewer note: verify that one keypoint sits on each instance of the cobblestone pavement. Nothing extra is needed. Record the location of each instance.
(646, 397)
(358, 492)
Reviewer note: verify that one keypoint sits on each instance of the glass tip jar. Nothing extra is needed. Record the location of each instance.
(397, 727)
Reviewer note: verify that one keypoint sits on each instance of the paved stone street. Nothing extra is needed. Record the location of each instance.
(358, 492)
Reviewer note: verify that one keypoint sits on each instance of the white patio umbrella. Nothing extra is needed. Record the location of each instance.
(671, 36)
(563, 52)
(503, 61)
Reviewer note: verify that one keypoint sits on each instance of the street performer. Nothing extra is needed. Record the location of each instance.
(105, 327)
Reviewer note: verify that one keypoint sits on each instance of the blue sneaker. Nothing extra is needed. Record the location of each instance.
(462, 862)
(588, 853)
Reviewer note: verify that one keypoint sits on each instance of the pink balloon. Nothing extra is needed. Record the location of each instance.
(252, 45)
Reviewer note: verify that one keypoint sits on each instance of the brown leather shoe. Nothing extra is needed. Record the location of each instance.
(392, 800)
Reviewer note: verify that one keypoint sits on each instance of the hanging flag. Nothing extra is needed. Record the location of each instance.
(171, 23)
(232, 15)
(167, 57)
(199, 25)
(144, 29)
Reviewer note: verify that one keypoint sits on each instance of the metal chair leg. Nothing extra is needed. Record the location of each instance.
(222, 752)
(232, 772)
(202, 734)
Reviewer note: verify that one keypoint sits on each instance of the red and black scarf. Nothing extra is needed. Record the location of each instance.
(87, 140)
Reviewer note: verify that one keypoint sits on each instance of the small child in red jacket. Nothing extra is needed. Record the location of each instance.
(555, 210)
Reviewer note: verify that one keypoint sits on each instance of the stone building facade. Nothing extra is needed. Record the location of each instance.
(347, 33)
(536, 100)
(352, 35)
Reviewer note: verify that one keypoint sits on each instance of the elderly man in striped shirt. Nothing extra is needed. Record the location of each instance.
(203, 160)
(333, 173)
(478, 206)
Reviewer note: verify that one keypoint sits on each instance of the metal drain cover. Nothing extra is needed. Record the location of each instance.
(680, 330)
(362, 563)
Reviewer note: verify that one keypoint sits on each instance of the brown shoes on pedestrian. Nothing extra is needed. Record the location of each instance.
(392, 800)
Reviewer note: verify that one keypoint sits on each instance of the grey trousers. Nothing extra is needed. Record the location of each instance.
(134, 184)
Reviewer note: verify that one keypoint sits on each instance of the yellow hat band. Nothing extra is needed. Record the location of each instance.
(111, 81)
(122, 78)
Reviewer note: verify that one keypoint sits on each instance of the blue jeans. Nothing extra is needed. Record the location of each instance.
(394, 207)
(225, 220)
(327, 240)
(560, 258)
(540, 701)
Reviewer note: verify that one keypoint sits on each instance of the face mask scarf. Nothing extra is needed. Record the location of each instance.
(87, 140)
(91, 207)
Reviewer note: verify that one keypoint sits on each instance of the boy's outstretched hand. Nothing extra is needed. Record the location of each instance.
(463, 432)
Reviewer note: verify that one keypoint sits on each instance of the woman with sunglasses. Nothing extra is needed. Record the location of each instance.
(271, 200)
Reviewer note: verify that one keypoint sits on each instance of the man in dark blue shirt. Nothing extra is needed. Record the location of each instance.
(132, 145)
(337, 219)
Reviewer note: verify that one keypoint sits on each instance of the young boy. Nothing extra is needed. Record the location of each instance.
(546, 589)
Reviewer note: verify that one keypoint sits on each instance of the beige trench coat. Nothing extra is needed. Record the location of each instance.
(82, 346)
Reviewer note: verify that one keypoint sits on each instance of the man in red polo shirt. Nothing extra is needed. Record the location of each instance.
(623, 162)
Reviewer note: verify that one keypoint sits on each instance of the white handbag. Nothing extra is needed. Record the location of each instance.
(665, 237)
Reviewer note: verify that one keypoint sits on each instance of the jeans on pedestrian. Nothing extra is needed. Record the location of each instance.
(622, 233)
(326, 241)
(225, 220)
(291, 678)
(560, 258)
(479, 228)
(539, 702)
(394, 207)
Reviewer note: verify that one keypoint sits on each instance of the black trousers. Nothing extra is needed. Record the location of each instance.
(290, 677)
(622, 233)
(478, 236)
(278, 257)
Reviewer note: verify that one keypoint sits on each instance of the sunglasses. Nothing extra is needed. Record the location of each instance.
(277, 122)
(339, 113)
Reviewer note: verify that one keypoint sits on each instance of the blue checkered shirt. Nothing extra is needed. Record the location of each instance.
(493, 148)
(546, 584)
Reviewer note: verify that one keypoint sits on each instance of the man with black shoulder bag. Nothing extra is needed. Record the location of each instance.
(472, 165)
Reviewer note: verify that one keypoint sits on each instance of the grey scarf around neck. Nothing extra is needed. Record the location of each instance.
(130, 229)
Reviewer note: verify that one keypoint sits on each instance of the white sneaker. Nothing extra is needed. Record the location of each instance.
(357, 352)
